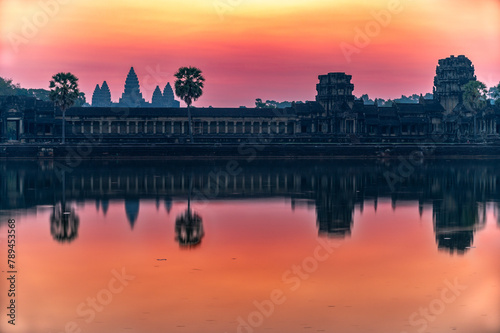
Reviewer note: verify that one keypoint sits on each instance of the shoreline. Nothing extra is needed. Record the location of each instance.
(246, 151)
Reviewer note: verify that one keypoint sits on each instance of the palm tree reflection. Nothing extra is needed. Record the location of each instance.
(64, 223)
(189, 229)
(189, 225)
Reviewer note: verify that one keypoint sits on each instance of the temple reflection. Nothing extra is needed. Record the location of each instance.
(456, 192)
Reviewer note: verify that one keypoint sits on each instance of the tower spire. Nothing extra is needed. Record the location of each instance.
(96, 96)
(168, 97)
(157, 97)
(105, 94)
(132, 96)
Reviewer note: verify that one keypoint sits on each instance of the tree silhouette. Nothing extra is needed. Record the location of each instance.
(189, 87)
(474, 98)
(495, 94)
(64, 93)
(259, 104)
(7, 87)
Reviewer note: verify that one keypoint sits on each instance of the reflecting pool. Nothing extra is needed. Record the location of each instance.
(267, 246)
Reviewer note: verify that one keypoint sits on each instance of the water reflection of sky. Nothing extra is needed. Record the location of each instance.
(396, 250)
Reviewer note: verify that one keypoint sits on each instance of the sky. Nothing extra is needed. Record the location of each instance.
(248, 49)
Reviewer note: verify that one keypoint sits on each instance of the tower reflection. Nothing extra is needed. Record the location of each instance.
(457, 214)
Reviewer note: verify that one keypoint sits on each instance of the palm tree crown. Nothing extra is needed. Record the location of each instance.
(64, 90)
(189, 84)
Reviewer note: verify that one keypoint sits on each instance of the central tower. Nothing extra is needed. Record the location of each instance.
(132, 96)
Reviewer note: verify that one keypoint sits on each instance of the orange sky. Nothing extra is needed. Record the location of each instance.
(246, 48)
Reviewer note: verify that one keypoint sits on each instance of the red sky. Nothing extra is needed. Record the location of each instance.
(247, 49)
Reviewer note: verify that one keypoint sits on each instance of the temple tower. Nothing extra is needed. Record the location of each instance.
(168, 97)
(96, 96)
(168, 93)
(451, 75)
(157, 100)
(132, 96)
(105, 94)
(101, 96)
(334, 90)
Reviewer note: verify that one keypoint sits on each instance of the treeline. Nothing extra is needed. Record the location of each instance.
(8, 88)
(403, 99)
(271, 104)
(492, 95)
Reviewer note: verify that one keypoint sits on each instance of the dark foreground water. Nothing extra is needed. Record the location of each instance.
(285, 247)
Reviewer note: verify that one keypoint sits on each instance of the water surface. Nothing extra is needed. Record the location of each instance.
(339, 246)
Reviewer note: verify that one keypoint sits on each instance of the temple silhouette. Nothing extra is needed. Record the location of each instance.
(336, 116)
(132, 96)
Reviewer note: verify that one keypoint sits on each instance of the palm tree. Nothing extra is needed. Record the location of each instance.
(64, 92)
(188, 87)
